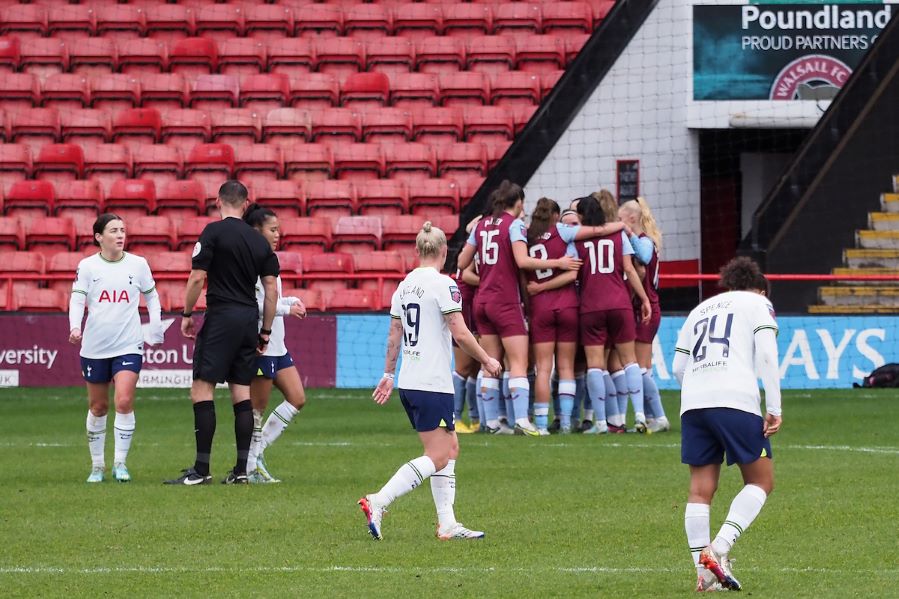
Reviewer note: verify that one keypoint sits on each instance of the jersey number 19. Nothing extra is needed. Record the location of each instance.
(412, 313)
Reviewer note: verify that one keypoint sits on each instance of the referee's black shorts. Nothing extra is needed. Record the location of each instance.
(226, 345)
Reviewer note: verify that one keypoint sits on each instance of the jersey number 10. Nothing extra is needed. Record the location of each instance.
(412, 313)
(706, 327)
(602, 256)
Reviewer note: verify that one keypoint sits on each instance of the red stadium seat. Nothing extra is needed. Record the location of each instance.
(17, 264)
(140, 56)
(71, 21)
(567, 17)
(337, 125)
(92, 56)
(85, 127)
(339, 56)
(517, 17)
(79, 197)
(467, 20)
(84, 232)
(286, 198)
(236, 126)
(314, 90)
(410, 161)
(169, 21)
(35, 127)
(12, 235)
(432, 197)
(573, 46)
(291, 56)
(50, 235)
(365, 90)
(495, 151)
(40, 300)
(310, 235)
(488, 124)
(387, 125)
(383, 264)
(147, 232)
(351, 299)
(63, 264)
(107, 163)
(308, 162)
(437, 125)
(548, 81)
(367, 21)
(337, 266)
(163, 91)
(193, 56)
(136, 126)
(411, 90)
(210, 162)
(170, 262)
(180, 200)
(115, 92)
(269, 21)
(43, 56)
(439, 54)
(312, 298)
(255, 163)
(600, 8)
(286, 126)
(214, 92)
(59, 163)
(219, 21)
(492, 53)
(65, 91)
(29, 200)
(385, 197)
(417, 20)
(10, 54)
(186, 128)
(390, 55)
(291, 262)
(357, 234)
(19, 90)
(358, 161)
(264, 91)
(120, 21)
(521, 115)
(330, 198)
(158, 163)
(15, 164)
(189, 230)
(25, 21)
(515, 88)
(465, 158)
(131, 198)
(319, 20)
(540, 53)
(464, 89)
(242, 56)
(400, 231)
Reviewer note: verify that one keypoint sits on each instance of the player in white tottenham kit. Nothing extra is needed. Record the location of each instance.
(110, 284)
(276, 365)
(727, 343)
(426, 312)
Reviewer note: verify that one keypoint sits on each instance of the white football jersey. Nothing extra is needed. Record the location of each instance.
(420, 302)
(719, 338)
(276, 345)
(113, 291)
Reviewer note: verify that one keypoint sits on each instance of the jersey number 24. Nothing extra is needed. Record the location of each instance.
(706, 328)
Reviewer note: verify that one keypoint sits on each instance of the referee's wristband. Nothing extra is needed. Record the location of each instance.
(265, 331)
(389, 375)
(186, 314)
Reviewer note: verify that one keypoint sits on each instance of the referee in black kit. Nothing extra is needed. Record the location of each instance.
(232, 254)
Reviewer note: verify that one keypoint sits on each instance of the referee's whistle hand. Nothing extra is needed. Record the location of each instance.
(187, 327)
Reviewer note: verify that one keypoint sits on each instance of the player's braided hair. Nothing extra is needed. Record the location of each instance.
(430, 241)
(101, 222)
(505, 196)
(743, 274)
(542, 218)
(256, 214)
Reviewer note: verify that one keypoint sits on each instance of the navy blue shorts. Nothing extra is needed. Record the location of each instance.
(707, 434)
(268, 366)
(428, 410)
(102, 370)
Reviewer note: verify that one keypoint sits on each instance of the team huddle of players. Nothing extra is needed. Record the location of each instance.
(571, 299)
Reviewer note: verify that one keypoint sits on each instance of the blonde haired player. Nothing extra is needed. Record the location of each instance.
(110, 283)
(727, 343)
(426, 312)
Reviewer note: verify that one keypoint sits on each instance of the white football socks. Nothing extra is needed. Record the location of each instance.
(743, 510)
(696, 524)
(276, 423)
(96, 439)
(443, 489)
(124, 431)
(255, 441)
(407, 478)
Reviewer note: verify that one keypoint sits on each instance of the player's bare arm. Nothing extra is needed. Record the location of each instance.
(382, 392)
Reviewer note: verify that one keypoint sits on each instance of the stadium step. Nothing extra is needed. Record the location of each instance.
(860, 296)
(867, 270)
(861, 258)
(890, 201)
(874, 309)
(885, 240)
(884, 221)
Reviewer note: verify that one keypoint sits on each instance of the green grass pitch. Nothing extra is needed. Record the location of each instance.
(565, 516)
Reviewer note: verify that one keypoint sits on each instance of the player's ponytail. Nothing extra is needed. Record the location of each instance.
(100, 224)
(505, 196)
(607, 203)
(743, 274)
(430, 241)
(256, 215)
(542, 218)
(591, 213)
(648, 222)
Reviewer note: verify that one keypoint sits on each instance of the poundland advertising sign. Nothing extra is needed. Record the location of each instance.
(780, 51)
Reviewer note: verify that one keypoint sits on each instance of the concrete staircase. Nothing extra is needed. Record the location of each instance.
(876, 253)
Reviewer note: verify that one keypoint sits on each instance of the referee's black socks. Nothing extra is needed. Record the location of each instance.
(204, 429)
(243, 433)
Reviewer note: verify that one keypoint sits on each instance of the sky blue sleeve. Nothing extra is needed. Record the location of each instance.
(626, 248)
(567, 232)
(517, 231)
(471, 238)
(643, 248)
(571, 250)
